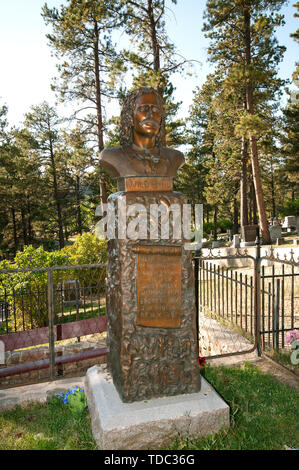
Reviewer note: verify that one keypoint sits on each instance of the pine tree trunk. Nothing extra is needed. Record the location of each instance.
(14, 224)
(254, 206)
(30, 232)
(78, 206)
(24, 226)
(236, 216)
(103, 189)
(253, 142)
(243, 184)
(215, 222)
(56, 197)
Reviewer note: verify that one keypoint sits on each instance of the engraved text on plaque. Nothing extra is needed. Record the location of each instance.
(159, 280)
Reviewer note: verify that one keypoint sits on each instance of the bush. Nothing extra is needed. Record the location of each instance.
(225, 224)
(26, 292)
(290, 207)
(88, 249)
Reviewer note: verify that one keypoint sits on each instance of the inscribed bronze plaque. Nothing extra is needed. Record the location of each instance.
(157, 183)
(159, 277)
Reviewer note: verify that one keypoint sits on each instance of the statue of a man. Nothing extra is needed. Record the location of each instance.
(140, 152)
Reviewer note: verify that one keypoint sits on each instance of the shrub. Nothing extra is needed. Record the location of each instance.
(26, 292)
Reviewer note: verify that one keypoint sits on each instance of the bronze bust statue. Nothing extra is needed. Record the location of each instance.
(140, 152)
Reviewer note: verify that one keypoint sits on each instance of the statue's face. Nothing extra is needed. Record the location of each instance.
(147, 116)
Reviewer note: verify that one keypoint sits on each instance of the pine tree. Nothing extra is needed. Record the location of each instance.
(243, 45)
(154, 57)
(89, 66)
(42, 124)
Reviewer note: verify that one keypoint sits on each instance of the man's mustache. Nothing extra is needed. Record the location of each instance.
(151, 121)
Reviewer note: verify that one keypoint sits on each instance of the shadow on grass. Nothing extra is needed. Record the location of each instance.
(264, 413)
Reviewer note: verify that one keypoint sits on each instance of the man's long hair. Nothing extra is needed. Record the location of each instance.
(127, 115)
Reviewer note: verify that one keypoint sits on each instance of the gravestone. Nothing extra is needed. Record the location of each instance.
(152, 337)
(291, 222)
(249, 234)
(236, 241)
(275, 232)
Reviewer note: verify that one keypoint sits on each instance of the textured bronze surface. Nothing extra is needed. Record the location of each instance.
(159, 274)
(148, 184)
(151, 332)
(149, 361)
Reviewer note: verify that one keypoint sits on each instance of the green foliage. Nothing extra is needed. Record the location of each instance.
(26, 292)
(225, 224)
(88, 249)
(77, 402)
(290, 207)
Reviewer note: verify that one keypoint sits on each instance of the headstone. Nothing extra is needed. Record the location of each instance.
(229, 234)
(248, 235)
(236, 241)
(275, 232)
(152, 338)
(291, 222)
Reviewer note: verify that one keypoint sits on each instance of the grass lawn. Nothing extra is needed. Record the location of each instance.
(49, 426)
(264, 415)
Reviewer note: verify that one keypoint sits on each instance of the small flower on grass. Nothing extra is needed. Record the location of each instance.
(75, 398)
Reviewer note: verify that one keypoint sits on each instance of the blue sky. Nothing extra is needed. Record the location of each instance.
(27, 65)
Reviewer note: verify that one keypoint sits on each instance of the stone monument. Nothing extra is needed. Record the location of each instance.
(151, 332)
(248, 235)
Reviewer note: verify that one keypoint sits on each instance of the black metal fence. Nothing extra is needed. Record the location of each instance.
(227, 293)
(51, 305)
(27, 308)
(260, 302)
(279, 303)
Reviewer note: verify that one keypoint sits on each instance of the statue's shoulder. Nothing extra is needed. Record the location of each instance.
(111, 152)
(175, 156)
(111, 159)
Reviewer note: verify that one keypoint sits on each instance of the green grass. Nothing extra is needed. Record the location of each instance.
(90, 311)
(49, 426)
(264, 415)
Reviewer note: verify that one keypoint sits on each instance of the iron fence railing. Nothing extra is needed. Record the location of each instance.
(260, 302)
(62, 308)
(27, 308)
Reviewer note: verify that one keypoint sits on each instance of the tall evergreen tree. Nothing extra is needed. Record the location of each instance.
(43, 124)
(244, 47)
(89, 65)
(153, 56)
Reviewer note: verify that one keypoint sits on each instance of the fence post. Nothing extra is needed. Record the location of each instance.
(276, 315)
(51, 313)
(257, 286)
(196, 268)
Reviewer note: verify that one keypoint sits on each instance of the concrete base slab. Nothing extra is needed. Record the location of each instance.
(150, 424)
